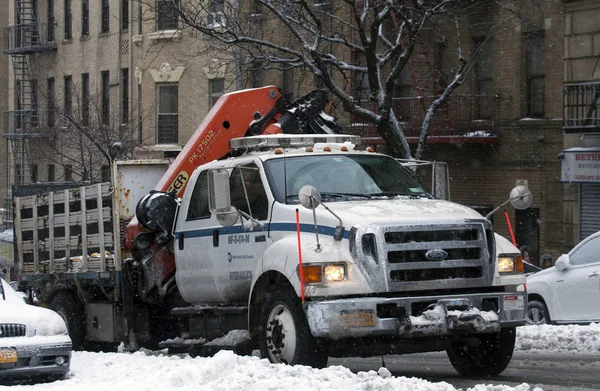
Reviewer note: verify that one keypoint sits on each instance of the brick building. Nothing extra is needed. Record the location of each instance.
(4, 161)
(155, 82)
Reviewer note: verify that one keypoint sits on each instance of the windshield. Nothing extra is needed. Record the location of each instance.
(341, 177)
(8, 294)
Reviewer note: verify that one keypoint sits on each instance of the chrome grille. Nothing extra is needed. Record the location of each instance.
(8, 330)
(426, 257)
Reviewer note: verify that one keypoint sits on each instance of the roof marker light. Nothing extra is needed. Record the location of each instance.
(309, 149)
(278, 151)
(344, 148)
(369, 149)
(326, 148)
(291, 140)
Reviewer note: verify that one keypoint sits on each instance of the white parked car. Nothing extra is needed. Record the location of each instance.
(33, 340)
(568, 292)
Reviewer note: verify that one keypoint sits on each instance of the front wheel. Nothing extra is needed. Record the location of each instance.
(483, 355)
(284, 334)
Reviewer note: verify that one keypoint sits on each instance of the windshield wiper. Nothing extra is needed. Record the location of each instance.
(397, 194)
(331, 195)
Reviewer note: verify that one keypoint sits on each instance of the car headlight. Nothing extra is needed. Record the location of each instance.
(49, 325)
(510, 264)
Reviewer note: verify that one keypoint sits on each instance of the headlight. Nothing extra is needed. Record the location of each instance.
(510, 264)
(52, 324)
(334, 272)
(318, 274)
(506, 264)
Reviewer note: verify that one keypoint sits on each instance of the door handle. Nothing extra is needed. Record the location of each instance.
(181, 241)
(560, 280)
(216, 238)
(594, 274)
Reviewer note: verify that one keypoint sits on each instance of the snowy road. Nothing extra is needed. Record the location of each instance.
(549, 371)
(548, 358)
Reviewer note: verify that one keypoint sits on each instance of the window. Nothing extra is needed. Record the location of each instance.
(168, 114)
(68, 172)
(216, 16)
(198, 208)
(217, 89)
(68, 104)
(140, 129)
(19, 174)
(105, 96)
(140, 13)
(125, 95)
(535, 73)
(360, 81)
(124, 14)
(587, 253)
(51, 102)
(256, 7)
(167, 17)
(248, 192)
(105, 173)
(85, 98)
(51, 21)
(256, 73)
(68, 20)
(287, 83)
(51, 172)
(85, 17)
(105, 23)
(483, 76)
(34, 173)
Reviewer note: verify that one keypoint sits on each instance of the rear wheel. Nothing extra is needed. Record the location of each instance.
(284, 334)
(483, 355)
(72, 313)
(536, 313)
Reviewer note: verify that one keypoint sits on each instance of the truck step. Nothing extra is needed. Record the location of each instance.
(237, 340)
(209, 309)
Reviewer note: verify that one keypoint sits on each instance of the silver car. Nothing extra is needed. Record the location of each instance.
(33, 340)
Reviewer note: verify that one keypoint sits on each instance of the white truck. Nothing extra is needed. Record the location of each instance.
(298, 245)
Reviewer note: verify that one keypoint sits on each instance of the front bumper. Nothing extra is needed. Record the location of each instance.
(37, 358)
(420, 316)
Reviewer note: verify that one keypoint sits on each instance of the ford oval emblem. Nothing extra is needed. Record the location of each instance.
(436, 254)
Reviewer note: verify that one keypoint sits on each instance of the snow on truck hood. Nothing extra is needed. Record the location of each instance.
(401, 210)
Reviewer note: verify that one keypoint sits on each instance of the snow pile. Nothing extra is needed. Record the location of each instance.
(568, 338)
(226, 371)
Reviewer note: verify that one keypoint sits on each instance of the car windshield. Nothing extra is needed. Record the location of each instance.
(341, 177)
(7, 294)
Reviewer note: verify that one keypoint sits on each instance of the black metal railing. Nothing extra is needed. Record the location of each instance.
(581, 112)
(32, 37)
(21, 124)
(461, 115)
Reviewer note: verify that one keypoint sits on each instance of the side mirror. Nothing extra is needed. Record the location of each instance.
(309, 196)
(562, 263)
(219, 198)
(227, 219)
(520, 197)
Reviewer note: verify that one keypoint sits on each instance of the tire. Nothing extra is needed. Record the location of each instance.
(72, 313)
(486, 355)
(537, 313)
(283, 331)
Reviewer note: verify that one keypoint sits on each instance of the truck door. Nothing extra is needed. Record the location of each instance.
(239, 248)
(194, 246)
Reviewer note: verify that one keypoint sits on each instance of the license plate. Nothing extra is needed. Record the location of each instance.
(357, 318)
(513, 303)
(8, 356)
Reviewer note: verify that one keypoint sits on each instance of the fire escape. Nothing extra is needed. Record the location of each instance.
(26, 38)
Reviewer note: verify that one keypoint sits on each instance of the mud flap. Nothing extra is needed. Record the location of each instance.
(449, 317)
